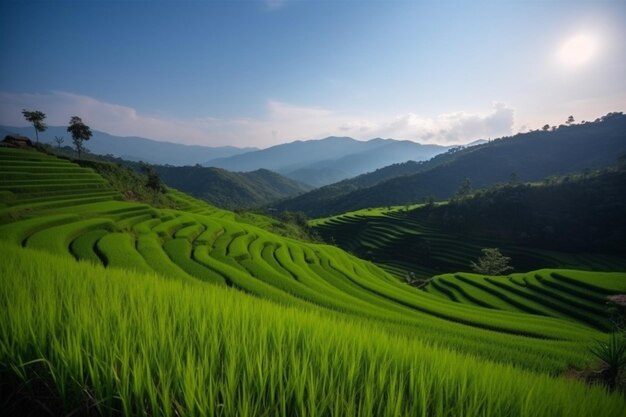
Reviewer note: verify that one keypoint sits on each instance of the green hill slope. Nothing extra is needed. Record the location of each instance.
(169, 315)
(231, 190)
(576, 222)
(403, 244)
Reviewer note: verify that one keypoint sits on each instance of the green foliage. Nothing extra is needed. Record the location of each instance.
(553, 215)
(154, 181)
(36, 118)
(612, 354)
(465, 190)
(80, 132)
(491, 263)
(132, 185)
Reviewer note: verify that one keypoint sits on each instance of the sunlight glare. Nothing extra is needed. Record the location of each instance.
(577, 50)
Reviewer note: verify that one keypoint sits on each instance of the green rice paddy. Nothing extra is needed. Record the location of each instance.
(126, 309)
(400, 244)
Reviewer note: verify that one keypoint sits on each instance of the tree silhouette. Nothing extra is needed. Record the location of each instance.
(570, 120)
(80, 133)
(59, 140)
(545, 128)
(36, 118)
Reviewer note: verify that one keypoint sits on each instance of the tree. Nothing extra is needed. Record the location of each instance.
(570, 120)
(545, 128)
(80, 133)
(154, 181)
(36, 118)
(59, 140)
(465, 190)
(491, 263)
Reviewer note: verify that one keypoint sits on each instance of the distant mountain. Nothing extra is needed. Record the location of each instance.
(332, 170)
(477, 142)
(135, 148)
(323, 161)
(231, 190)
(525, 157)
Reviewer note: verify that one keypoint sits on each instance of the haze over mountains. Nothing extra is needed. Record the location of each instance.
(314, 162)
(134, 148)
(328, 160)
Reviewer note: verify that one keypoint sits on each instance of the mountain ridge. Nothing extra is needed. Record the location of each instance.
(231, 190)
(322, 161)
(529, 156)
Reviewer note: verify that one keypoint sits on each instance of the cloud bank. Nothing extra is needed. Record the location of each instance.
(283, 122)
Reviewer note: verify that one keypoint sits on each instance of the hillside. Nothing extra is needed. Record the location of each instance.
(323, 161)
(527, 157)
(583, 213)
(231, 190)
(164, 298)
(567, 294)
(134, 148)
(577, 222)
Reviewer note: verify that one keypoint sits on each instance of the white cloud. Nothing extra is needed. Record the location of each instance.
(458, 127)
(283, 122)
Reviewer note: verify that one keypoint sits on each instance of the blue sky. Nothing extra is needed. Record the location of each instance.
(256, 73)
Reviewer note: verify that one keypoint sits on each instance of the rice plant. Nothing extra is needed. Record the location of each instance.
(112, 341)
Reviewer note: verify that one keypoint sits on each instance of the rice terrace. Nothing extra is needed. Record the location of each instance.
(476, 267)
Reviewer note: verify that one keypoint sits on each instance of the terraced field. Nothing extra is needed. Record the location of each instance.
(568, 294)
(198, 252)
(400, 244)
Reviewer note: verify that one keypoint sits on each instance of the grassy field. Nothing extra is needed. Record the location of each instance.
(127, 309)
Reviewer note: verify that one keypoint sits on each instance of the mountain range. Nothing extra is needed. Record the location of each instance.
(325, 161)
(315, 162)
(530, 156)
(134, 148)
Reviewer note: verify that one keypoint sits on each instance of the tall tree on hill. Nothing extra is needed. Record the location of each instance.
(570, 120)
(59, 140)
(36, 118)
(80, 132)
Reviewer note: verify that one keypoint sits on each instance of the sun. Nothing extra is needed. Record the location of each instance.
(578, 50)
